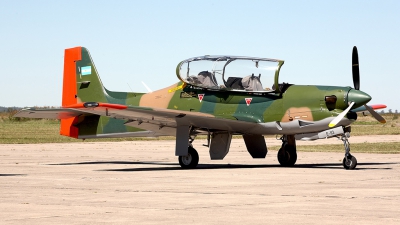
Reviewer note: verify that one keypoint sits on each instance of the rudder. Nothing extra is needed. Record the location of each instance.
(81, 83)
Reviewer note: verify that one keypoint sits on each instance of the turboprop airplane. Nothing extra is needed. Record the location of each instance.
(217, 96)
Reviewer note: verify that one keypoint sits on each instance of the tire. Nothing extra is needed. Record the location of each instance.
(189, 161)
(349, 162)
(287, 155)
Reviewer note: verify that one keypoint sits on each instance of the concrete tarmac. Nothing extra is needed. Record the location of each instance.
(142, 183)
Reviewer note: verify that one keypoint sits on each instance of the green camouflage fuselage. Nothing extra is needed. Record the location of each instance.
(305, 102)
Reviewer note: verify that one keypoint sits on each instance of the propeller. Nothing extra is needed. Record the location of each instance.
(355, 69)
(340, 116)
(375, 114)
(356, 95)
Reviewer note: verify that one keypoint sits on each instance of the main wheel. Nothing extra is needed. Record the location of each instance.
(287, 155)
(349, 162)
(190, 160)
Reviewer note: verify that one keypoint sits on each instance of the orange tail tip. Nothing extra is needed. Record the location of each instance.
(69, 82)
(69, 92)
(67, 127)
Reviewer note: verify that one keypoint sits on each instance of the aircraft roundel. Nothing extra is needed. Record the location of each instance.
(201, 96)
(248, 101)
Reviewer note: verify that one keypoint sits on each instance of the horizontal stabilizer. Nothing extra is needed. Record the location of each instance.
(48, 113)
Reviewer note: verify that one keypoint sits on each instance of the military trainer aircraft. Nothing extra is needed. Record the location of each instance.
(218, 96)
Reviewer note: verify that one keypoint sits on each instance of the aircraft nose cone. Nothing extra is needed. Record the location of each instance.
(360, 98)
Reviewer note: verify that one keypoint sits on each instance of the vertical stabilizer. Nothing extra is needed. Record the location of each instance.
(81, 83)
(69, 90)
(88, 84)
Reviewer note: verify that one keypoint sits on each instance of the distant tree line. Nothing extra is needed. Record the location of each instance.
(7, 109)
(390, 111)
(9, 112)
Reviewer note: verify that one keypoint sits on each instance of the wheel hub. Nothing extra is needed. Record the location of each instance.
(187, 159)
(348, 162)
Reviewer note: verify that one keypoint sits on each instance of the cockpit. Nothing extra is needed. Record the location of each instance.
(233, 73)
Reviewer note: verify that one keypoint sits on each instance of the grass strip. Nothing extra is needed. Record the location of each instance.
(379, 148)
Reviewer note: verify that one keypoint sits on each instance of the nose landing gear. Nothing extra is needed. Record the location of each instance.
(349, 161)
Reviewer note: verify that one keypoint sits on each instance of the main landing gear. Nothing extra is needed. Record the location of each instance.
(190, 160)
(287, 155)
(349, 161)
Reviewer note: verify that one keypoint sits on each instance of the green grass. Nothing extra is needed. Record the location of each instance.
(367, 125)
(30, 131)
(362, 130)
(381, 148)
(45, 131)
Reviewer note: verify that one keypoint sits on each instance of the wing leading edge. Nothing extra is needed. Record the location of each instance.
(148, 121)
(164, 121)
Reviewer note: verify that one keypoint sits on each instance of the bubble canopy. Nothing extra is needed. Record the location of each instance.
(231, 73)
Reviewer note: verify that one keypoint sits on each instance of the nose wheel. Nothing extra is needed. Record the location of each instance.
(190, 160)
(349, 161)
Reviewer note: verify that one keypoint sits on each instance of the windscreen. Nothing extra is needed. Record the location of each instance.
(237, 74)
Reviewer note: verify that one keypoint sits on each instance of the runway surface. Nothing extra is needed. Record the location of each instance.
(142, 183)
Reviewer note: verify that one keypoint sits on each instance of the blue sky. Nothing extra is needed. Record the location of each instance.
(134, 41)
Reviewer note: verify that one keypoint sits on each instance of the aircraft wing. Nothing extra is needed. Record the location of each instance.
(374, 107)
(165, 120)
(161, 121)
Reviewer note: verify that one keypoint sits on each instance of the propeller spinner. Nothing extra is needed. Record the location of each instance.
(356, 97)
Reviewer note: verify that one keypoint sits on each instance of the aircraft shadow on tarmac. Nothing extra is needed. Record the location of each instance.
(174, 166)
(113, 162)
(10, 175)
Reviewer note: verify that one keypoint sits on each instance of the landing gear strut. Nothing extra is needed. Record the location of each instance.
(349, 161)
(287, 155)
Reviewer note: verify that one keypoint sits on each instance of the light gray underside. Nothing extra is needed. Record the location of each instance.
(163, 122)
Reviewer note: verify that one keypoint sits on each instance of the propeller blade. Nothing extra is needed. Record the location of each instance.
(340, 116)
(375, 114)
(355, 69)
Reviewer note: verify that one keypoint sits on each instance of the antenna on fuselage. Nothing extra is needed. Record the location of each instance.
(129, 86)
